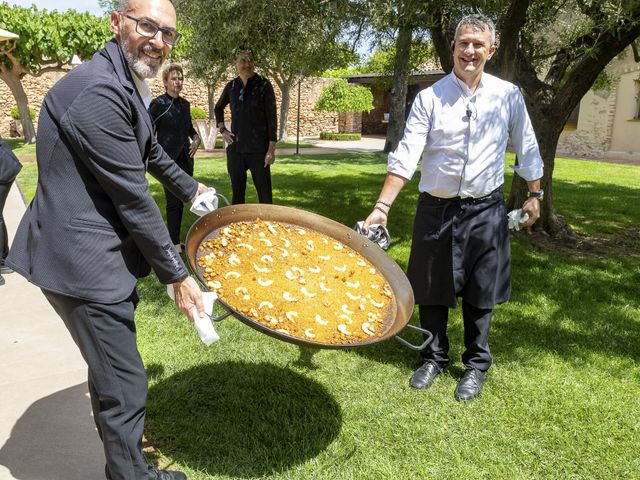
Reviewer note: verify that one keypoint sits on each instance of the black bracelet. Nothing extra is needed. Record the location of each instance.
(382, 210)
(384, 203)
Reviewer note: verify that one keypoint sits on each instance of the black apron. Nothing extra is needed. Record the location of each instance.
(460, 248)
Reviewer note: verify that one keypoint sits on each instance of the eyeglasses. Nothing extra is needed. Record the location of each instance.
(241, 97)
(149, 29)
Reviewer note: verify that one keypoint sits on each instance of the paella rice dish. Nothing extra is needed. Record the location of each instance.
(296, 281)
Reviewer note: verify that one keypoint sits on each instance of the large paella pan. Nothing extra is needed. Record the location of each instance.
(210, 230)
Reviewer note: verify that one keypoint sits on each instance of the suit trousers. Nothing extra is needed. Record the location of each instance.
(174, 206)
(477, 322)
(4, 237)
(106, 337)
(237, 165)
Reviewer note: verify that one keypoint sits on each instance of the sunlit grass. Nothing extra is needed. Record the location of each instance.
(560, 402)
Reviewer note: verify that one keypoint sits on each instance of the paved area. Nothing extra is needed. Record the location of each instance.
(367, 144)
(46, 428)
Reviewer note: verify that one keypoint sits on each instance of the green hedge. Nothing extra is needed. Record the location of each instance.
(340, 136)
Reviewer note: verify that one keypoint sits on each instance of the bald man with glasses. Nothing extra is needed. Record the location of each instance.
(93, 227)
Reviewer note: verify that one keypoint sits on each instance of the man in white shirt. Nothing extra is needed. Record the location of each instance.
(458, 130)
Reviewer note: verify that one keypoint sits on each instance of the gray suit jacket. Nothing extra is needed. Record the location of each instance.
(93, 227)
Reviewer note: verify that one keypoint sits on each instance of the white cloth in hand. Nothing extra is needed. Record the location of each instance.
(376, 233)
(517, 218)
(203, 325)
(205, 203)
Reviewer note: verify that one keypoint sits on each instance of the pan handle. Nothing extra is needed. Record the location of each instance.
(225, 199)
(417, 348)
(220, 317)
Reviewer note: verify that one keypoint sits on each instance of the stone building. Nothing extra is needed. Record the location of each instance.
(607, 122)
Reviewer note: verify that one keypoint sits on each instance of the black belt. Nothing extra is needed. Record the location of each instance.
(462, 201)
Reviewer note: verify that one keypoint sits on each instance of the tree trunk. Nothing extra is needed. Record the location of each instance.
(211, 103)
(398, 98)
(285, 90)
(15, 85)
(547, 142)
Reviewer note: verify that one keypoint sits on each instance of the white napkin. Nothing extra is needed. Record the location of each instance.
(203, 325)
(205, 202)
(376, 233)
(517, 218)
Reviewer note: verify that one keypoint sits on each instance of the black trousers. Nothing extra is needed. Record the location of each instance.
(174, 206)
(477, 322)
(106, 337)
(237, 165)
(4, 238)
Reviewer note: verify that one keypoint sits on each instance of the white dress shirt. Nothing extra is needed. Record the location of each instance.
(462, 138)
(143, 89)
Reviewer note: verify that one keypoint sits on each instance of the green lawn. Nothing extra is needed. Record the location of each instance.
(561, 402)
(19, 147)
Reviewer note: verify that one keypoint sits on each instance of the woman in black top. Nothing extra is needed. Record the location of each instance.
(171, 117)
(252, 139)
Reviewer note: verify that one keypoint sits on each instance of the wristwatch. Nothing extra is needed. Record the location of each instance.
(223, 129)
(539, 195)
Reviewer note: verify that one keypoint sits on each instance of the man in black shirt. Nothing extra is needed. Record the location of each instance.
(171, 116)
(252, 139)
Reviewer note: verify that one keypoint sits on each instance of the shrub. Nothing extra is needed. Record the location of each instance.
(198, 113)
(340, 136)
(15, 114)
(339, 96)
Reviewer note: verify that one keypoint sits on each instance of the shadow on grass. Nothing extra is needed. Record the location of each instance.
(241, 419)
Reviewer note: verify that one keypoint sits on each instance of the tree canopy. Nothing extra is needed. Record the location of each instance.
(48, 41)
(339, 96)
(291, 39)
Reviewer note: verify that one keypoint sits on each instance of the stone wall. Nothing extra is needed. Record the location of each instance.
(311, 122)
(606, 128)
(34, 87)
(350, 122)
(592, 136)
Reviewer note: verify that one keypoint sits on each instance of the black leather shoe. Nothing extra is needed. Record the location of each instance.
(155, 474)
(4, 269)
(423, 377)
(470, 385)
(1, 280)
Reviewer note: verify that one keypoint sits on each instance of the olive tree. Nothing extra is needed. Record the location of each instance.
(291, 39)
(555, 51)
(48, 41)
